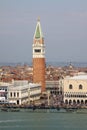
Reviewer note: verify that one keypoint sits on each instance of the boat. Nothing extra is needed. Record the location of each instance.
(14, 110)
(4, 109)
(81, 111)
(70, 110)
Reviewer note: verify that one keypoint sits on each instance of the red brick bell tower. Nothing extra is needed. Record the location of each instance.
(39, 57)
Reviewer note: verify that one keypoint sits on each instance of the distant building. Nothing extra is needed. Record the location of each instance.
(75, 89)
(22, 92)
(54, 87)
(34, 91)
(4, 92)
(39, 57)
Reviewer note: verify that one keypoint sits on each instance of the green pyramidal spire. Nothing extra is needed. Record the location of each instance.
(38, 31)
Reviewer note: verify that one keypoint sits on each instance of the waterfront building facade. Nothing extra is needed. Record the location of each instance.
(54, 87)
(54, 92)
(75, 89)
(4, 92)
(34, 92)
(22, 92)
(39, 57)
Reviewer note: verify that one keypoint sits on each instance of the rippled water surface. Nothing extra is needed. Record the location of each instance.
(42, 121)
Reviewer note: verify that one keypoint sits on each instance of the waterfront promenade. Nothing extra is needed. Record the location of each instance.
(63, 108)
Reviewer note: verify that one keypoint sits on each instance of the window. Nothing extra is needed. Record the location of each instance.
(70, 86)
(17, 94)
(5, 89)
(80, 86)
(14, 94)
(37, 50)
(11, 94)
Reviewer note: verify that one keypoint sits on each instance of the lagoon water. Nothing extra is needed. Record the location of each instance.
(42, 121)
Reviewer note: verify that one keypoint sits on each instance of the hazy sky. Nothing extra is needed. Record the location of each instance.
(64, 25)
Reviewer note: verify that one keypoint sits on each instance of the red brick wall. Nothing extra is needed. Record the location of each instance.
(39, 72)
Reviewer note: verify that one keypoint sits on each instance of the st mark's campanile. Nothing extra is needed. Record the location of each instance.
(39, 57)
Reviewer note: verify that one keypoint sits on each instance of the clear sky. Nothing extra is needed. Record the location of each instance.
(64, 25)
